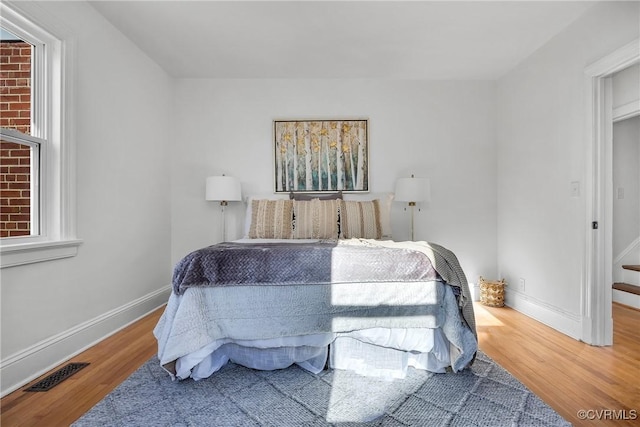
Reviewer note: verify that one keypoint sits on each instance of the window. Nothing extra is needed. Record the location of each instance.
(35, 190)
(19, 154)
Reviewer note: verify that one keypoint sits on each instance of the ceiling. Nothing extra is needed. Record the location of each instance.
(340, 39)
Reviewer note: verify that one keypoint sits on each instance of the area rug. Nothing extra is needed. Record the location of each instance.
(485, 395)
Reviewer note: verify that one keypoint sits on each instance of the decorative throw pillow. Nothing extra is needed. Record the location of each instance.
(248, 214)
(315, 219)
(311, 196)
(302, 219)
(271, 219)
(360, 219)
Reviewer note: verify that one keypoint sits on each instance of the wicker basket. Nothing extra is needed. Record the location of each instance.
(492, 293)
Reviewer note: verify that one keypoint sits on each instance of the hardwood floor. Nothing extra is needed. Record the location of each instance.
(111, 362)
(569, 375)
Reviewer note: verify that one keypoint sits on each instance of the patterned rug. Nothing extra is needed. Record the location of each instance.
(485, 395)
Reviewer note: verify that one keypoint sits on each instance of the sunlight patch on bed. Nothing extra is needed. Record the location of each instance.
(384, 293)
(342, 323)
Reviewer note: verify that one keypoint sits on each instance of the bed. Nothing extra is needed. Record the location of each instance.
(316, 284)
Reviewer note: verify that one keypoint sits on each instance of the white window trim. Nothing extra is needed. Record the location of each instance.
(57, 234)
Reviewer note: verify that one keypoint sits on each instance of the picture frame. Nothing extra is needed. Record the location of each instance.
(321, 155)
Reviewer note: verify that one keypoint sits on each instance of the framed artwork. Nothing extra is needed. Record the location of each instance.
(321, 155)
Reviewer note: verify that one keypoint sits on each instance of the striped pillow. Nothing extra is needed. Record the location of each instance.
(315, 219)
(271, 219)
(360, 219)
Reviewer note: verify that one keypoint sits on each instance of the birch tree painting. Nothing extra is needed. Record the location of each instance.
(321, 155)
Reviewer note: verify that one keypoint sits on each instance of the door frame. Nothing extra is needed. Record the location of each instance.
(596, 293)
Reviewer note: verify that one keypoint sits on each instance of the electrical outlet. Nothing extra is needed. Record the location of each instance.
(521, 285)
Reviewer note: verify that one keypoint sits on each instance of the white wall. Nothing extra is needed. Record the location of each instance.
(542, 115)
(122, 108)
(440, 130)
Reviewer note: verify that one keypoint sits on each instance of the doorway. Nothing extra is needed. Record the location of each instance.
(596, 296)
(626, 186)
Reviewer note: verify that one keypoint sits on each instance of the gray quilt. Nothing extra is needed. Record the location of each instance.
(325, 262)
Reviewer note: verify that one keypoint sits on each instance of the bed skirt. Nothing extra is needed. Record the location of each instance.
(378, 352)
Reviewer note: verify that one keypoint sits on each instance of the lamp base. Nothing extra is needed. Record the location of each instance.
(223, 204)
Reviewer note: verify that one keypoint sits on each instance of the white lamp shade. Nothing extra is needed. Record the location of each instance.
(412, 190)
(223, 188)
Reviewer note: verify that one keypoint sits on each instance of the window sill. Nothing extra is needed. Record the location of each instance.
(29, 253)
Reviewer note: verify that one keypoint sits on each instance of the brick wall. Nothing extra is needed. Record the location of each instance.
(15, 113)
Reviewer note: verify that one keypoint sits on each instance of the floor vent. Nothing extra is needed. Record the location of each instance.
(57, 377)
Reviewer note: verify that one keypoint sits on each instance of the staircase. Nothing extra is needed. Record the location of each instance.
(627, 292)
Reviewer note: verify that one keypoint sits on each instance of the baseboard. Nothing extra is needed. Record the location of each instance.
(568, 323)
(626, 298)
(474, 288)
(20, 368)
